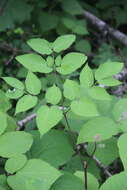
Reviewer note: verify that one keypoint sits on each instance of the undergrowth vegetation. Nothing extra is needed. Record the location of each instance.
(63, 109)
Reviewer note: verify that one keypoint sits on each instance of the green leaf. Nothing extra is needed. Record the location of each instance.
(11, 124)
(73, 165)
(58, 60)
(50, 61)
(2, 188)
(123, 149)
(25, 103)
(86, 77)
(48, 21)
(105, 70)
(33, 84)
(110, 81)
(13, 143)
(120, 110)
(3, 182)
(14, 82)
(63, 42)
(41, 46)
(34, 63)
(14, 13)
(72, 7)
(3, 122)
(83, 46)
(49, 145)
(92, 182)
(15, 163)
(4, 102)
(116, 182)
(76, 26)
(71, 62)
(14, 94)
(68, 181)
(48, 117)
(84, 107)
(98, 93)
(97, 129)
(53, 95)
(36, 175)
(106, 147)
(71, 89)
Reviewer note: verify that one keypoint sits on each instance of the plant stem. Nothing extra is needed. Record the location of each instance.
(85, 175)
(69, 129)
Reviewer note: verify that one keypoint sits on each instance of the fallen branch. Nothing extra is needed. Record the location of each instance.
(103, 27)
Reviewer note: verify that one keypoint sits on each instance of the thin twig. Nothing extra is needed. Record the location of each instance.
(9, 48)
(98, 162)
(85, 175)
(22, 122)
(90, 156)
(84, 164)
(69, 130)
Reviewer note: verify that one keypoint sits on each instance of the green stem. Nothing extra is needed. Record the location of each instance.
(85, 175)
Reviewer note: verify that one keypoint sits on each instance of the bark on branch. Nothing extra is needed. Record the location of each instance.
(104, 27)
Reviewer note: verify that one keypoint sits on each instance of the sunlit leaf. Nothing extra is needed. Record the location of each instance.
(13, 143)
(84, 107)
(33, 84)
(86, 77)
(71, 62)
(35, 175)
(53, 95)
(34, 63)
(14, 82)
(97, 129)
(41, 46)
(25, 103)
(63, 42)
(15, 163)
(48, 117)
